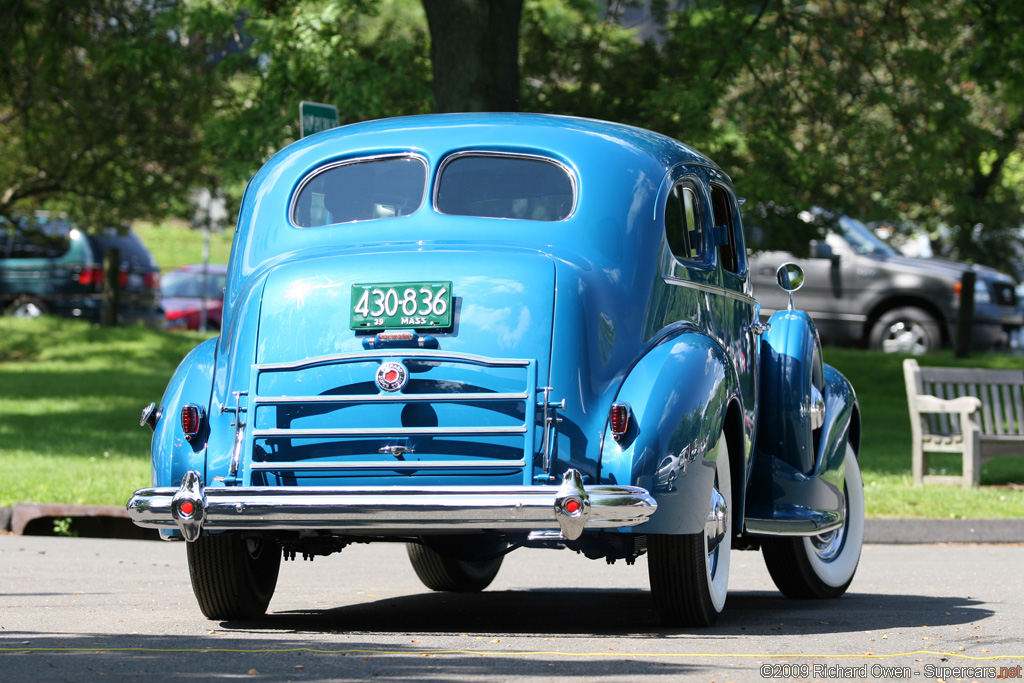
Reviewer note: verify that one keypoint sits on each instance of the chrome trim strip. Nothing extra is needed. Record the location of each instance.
(710, 289)
(822, 523)
(388, 465)
(390, 431)
(402, 510)
(825, 315)
(414, 354)
(389, 398)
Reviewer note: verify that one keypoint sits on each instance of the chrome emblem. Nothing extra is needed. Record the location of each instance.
(392, 376)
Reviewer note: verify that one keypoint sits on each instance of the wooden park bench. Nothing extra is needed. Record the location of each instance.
(976, 412)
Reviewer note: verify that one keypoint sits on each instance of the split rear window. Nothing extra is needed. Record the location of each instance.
(361, 190)
(504, 186)
(487, 185)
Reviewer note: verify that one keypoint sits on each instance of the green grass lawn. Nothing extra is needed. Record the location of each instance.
(70, 398)
(885, 450)
(174, 243)
(71, 394)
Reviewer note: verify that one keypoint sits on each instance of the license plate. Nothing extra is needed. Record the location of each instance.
(391, 305)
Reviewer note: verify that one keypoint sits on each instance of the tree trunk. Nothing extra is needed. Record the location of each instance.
(111, 287)
(474, 47)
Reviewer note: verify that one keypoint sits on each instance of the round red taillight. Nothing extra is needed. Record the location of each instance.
(187, 508)
(571, 506)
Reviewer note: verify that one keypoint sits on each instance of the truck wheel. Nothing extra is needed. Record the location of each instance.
(441, 573)
(689, 573)
(905, 330)
(27, 307)
(233, 577)
(821, 566)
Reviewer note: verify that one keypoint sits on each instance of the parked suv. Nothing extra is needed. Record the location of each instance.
(49, 266)
(860, 290)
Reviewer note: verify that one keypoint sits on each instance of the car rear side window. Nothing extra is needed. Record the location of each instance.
(682, 223)
(505, 186)
(361, 190)
(726, 228)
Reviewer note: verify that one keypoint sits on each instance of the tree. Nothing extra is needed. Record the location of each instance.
(100, 106)
(907, 112)
(370, 59)
(889, 111)
(474, 52)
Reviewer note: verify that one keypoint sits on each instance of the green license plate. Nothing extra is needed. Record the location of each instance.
(391, 305)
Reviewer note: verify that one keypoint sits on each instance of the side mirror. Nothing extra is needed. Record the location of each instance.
(790, 277)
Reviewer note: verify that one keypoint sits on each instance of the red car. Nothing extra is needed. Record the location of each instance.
(183, 292)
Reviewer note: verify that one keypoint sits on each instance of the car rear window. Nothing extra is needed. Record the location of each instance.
(361, 190)
(34, 238)
(505, 186)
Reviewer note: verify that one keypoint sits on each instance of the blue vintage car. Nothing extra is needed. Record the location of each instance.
(472, 333)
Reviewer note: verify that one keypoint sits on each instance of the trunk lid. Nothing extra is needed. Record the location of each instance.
(322, 412)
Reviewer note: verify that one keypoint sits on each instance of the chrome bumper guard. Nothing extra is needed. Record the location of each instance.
(571, 507)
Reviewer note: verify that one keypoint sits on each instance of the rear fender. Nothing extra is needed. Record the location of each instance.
(192, 382)
(678, 394)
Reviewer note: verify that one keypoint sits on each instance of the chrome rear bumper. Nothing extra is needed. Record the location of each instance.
(571, 507)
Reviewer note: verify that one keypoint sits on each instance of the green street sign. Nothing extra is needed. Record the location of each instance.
(316, 116)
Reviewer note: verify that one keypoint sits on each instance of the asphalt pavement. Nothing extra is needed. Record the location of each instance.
(84, 609)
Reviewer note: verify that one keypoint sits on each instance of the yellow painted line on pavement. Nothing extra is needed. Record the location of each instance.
(491, 653)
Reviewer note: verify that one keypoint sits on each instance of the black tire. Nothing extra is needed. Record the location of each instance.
(233, 577)
(905, 330)
(27, 307)
(689, 574)
(441, 573)
(823, 566)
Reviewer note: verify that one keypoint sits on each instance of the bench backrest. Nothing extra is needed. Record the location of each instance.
(1001, 393)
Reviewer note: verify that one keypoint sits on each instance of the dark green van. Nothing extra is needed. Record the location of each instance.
(49, 266)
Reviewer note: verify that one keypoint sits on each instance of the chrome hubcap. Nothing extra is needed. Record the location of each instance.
(904, 337)
(827, 546)
(28, 310)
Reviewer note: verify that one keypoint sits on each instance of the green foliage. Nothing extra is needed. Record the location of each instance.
(904, 112)
(63, 526)
(677, 82)
(908, 113)
(866, 108)
(370, 59)
(100, 107)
